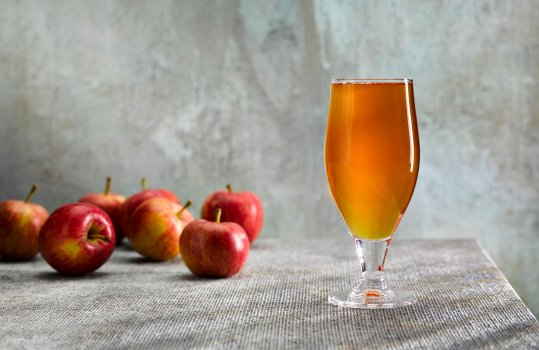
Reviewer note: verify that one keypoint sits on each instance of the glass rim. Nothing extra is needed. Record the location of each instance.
(370, 80)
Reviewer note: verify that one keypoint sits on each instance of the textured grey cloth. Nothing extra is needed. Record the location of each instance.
(279, 300)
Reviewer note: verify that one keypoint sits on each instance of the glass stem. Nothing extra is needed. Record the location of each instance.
(372, 255)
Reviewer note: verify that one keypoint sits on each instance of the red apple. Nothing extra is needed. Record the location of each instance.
(156, 227)
(214, 249)
(20, 222)
(132, 203)
(243, 208)
(111, 203)
(77, 239)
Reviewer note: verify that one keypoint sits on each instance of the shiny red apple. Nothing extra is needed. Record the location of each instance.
(20, 223)
(214, 249)
(77, 239)
(132, 203)
(243, 208)
(156, 227)
(111, 203)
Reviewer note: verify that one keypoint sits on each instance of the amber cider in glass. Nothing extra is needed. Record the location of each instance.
(372, 153)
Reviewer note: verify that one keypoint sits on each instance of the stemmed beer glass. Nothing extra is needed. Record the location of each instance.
(372, 162)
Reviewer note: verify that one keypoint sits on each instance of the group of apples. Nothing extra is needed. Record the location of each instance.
(78, 238)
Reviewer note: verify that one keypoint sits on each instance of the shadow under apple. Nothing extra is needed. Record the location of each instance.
(142, 260)
(55, 276)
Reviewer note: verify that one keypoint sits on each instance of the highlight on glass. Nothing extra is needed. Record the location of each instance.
(372, 163)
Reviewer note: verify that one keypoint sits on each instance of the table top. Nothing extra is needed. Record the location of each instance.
(279, 300)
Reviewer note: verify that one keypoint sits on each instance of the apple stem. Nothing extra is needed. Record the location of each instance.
(31, 193)
(229, 188)
(107, 186)
(144, 183)
(218, 215)
(187, 205)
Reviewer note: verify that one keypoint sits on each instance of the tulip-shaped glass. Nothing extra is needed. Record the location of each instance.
(372, 162)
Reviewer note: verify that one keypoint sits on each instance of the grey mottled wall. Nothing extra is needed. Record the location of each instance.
(193, 94)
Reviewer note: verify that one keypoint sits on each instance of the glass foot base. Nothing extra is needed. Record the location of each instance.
(372, 299)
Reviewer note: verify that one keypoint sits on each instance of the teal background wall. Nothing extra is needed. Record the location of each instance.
(194, 94)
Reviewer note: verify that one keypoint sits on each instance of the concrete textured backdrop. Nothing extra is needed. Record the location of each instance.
(194, 94)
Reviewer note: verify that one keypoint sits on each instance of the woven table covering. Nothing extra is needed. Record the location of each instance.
(279, 300)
